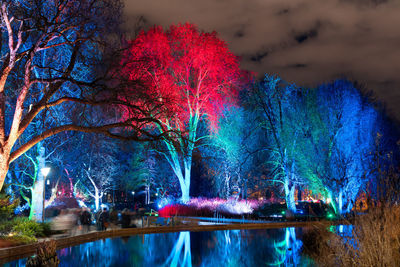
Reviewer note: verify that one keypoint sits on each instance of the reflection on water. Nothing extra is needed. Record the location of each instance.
(272, 247)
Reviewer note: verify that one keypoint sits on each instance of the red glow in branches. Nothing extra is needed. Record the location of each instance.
(192, 71)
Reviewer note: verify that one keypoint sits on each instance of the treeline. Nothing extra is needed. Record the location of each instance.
(332, 140)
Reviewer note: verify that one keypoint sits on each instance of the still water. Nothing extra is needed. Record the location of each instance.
(272, 247)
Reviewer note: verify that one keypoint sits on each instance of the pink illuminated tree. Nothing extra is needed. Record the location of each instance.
(193, 76)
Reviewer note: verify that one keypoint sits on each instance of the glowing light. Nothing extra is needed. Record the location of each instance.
(45, 171)
(81, 203)
(133, 192)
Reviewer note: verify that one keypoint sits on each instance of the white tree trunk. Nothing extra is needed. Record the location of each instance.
(289, 195)
(36, 212)
(340, 202)
(96, 198)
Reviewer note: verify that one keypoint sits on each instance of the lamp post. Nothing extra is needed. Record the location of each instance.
(45, 171)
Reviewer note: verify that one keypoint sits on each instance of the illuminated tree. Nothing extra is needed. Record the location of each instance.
(194, 76)
(93, 168)
(56, 56)
(342, 142)
(280, 106)
(231, 151)
(25, 172)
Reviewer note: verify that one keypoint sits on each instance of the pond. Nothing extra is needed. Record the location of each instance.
(269, 247)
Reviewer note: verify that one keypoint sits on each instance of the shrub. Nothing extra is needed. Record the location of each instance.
(23, 230)
(24, 226)
(6, 227)
(7, 206)
(46, 255)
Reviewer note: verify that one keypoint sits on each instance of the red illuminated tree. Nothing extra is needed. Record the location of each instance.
(194, 76)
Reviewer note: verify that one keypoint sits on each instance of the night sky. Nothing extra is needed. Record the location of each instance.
(303, 41)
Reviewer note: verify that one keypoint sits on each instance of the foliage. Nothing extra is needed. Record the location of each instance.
(192, 71)
(23, 230)
(140, 168)
(281, 110)
(321, 139)
(7, 206)
(231, 151)
(56, 63)
(46, 255)
(209, 207)
(193, 76)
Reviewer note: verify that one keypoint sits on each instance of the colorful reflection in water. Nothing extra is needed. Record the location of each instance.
(272, 247)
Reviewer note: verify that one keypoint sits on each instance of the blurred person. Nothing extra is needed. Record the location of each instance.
(113, 218)
(85, 220)
(104, 219)
(65, 221)
(97, 217)
(125, 218)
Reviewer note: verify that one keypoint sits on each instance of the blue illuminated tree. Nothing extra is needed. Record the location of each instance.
(57, 57)
(340, 145)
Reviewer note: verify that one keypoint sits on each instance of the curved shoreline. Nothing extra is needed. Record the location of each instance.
(14, 253)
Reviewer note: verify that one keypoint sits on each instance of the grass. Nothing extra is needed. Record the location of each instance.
(374, 241)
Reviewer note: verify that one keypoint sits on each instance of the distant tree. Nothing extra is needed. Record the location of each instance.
(194, 76)
(232, 149)
(281, 108)
(96, 167)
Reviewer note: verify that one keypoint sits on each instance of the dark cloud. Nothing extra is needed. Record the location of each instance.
(298, 65)
(239, 33)
(304, 36)
(283, 11)
(258, 57)
(303, 41)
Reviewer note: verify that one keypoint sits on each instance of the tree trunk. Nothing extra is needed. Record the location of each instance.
(4, 158)
(289, 195)
(185, 185)
(340, 202)
(227, 188)
(36, 212)
(96, 198)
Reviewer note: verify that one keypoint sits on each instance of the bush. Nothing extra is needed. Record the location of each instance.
(23, 230)
(6, 227)
(24, 226)
(7, 206)
(46, 229)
